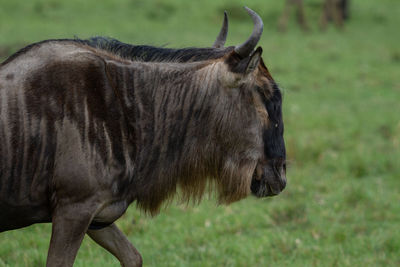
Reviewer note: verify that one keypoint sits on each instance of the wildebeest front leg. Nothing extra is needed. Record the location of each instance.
(69, 225)
(113, 240)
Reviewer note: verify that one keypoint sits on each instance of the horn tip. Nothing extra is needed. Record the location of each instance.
(249, 10)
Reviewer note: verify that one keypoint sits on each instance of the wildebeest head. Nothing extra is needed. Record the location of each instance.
(269, 177)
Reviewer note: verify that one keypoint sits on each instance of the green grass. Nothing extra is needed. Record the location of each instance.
(342, 117)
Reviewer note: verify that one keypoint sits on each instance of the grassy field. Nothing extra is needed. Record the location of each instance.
(342, 128)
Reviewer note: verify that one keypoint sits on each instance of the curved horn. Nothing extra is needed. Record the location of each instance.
(221, 38)
(247, 47)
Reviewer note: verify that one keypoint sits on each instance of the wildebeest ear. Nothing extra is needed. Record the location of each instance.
(254, 60)
(245, 65)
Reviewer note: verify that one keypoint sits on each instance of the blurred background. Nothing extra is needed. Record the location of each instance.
(342, 129)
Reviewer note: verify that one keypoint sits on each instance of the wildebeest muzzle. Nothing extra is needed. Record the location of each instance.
(269, 179)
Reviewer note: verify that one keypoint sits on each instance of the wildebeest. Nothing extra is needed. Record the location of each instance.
(300, 15)
(336, 10)
(89, 126)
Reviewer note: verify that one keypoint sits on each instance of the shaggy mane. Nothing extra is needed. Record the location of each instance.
(155, 54)
(144, 53)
